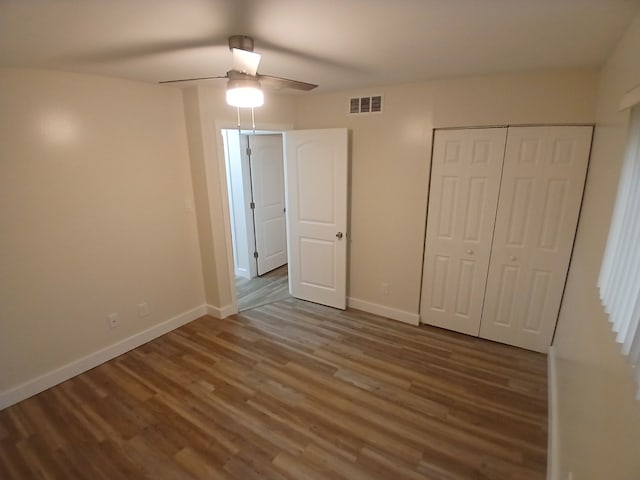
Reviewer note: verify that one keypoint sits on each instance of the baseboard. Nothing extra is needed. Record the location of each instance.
(76, 367)
(553, 465)
(221, 312)
(384, 311)
(242, 272)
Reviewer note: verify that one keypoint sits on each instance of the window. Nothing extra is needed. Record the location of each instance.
(619, 281)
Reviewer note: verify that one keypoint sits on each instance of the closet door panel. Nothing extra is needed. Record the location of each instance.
(540, 196)
(465, 181)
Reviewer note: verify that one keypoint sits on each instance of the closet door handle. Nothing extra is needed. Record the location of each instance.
(470, 251)
(513, 258)
(339, 235)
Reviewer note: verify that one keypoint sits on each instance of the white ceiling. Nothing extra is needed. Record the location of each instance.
(335, 43)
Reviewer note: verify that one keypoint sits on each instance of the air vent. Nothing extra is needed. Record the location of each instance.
(359, 105)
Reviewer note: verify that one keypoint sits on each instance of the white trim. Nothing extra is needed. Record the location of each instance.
(553, 464)
(242, 272)
(222, 312)
(384, 311)
(81, 365)
(631, 98)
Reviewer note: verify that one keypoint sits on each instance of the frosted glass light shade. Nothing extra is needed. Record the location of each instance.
(244, 93)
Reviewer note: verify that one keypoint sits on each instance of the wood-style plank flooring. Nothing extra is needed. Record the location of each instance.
(290, 390)
(268, 288)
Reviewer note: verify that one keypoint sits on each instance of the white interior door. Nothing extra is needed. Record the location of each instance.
(267, 183)
(541, 191)
(465, 183)
(316, 190)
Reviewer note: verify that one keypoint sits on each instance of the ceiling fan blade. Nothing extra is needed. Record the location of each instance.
(190, 79)
(245, 61)
(267, 46)
(277, 83)
(145, 49)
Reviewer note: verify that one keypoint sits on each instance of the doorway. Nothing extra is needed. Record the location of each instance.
(255, 185)
(268, 288)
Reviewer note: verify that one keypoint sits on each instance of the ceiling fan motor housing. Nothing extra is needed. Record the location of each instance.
(242, 42)
(245, 70)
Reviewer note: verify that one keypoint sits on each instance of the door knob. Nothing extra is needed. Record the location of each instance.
(513, 258)
(470, 252)
(339, 235)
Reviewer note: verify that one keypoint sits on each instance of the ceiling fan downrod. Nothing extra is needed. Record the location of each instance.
(241, 42)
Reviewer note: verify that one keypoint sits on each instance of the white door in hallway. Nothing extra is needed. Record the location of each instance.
(465, 183)
(540, 196)
(316, 191)
(267, 183)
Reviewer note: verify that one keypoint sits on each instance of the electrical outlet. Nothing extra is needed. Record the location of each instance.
(570, 476)
(143, 309)
(385, 288)
(114, 320)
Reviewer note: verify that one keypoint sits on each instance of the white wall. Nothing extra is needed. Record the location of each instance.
(238, 202)
(597, 418)
(94, 176)
(390, 163)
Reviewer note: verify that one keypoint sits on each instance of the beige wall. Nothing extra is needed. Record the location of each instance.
(94, 175)
(391, 155)
(206, 112)
(204, 218)
(598, 418)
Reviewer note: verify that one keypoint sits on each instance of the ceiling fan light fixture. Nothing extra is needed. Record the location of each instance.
(244, 93)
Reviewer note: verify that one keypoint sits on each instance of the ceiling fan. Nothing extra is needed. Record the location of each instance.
(244, 82)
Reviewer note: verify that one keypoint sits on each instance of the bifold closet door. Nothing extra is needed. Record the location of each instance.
(540, 196)
(465, 182)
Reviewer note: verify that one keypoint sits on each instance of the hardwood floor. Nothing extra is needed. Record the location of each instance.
(268, 288)
(290, 390)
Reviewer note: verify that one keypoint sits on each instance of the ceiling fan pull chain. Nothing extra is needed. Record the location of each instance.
(238, 110)
(253, 120)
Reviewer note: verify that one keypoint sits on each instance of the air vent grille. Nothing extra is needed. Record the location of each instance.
(369, 104)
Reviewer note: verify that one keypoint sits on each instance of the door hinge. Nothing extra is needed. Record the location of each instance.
(252, 206)
(255, 254)
(249, 151)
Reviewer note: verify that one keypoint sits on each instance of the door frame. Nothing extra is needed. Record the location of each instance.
(244, 217)
(469, 127)
(226, 211)
(506, 125)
